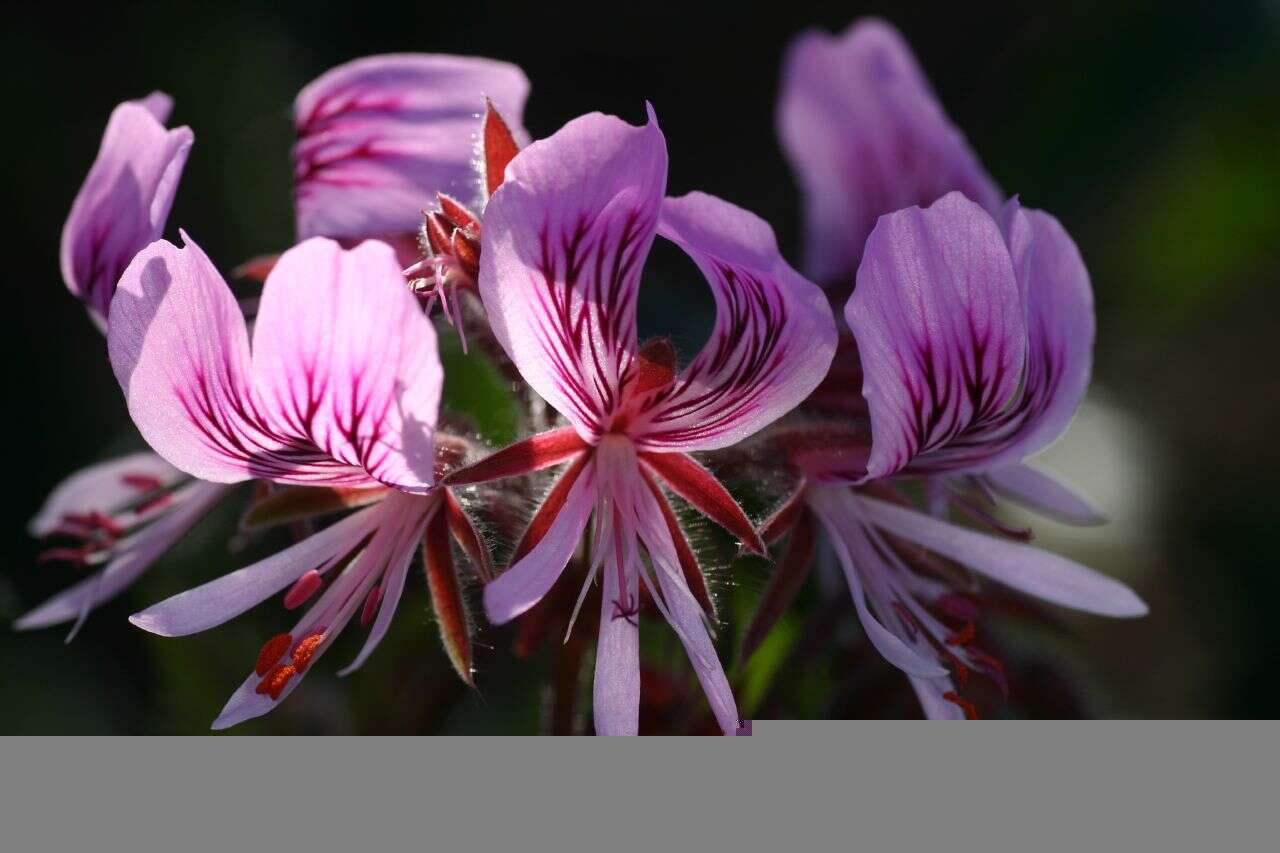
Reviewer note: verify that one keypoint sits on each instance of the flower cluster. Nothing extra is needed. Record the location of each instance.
(965, 348)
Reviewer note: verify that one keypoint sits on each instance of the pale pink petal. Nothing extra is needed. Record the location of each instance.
(866, 136)
(1031, 570)
(565, 238)
(941, 335)
(1046, 494)
(528, 580)
(1060, 330)
(616, 689)
(226, 597)
(104, 487)
(773, 339)
(929, 691)
(380, 136)
(343, 355)
(124, 202)
(133, 556)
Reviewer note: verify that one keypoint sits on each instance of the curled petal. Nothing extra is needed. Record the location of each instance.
(344, 385)
(124, 202)
(564, 241)
(941, 335)
(1031, 570)
(773, 339)
(866, 136)
(380, 136)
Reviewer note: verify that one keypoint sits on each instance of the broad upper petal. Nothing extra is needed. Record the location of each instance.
(941, 335)
(866, 136)
(125, 199)
(380, 136)
(565, 238)
(772, 342)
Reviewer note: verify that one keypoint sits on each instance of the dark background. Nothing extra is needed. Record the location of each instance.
(1150, 130)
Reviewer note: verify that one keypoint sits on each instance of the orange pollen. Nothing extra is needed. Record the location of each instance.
(306, 650)
(272, 651)
(274, 682)
(970, 712)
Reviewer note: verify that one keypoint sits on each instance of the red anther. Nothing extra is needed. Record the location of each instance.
(970, 712)
(964, 636)
(655, 366)
(94, 520)
(272, 651)
(274, 682)
(306, 650)
(77, 556)
(958, 667)
(371, 603)
(457, 213)
(304, 588)
(142, 482)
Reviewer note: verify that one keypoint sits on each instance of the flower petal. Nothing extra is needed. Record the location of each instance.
(772, 343)
(523, 585)
(1030, 570)
(103, 487)
(565, 238)
(866, 136)
(135, 555)
(616, 689)
(1045, 494)
(125, 200)
(940, 332)
(224, 598)
(344, 356)
(380, 136)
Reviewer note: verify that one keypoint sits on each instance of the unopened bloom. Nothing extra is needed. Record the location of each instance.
(339, 390)
(564, 243)
(975, 339)
(866, 136)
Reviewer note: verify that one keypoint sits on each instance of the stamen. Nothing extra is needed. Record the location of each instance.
(970, 712)
(272, 651)
(76, 556)
(142, 482)
(958, 667)
(964, 636)
(371, 605)
(306, 650)
(274, 682)
(303, 589)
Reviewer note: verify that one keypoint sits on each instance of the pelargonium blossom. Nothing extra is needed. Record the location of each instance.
(866, 135)
(975, 339)
(339, 390)
(565, 239)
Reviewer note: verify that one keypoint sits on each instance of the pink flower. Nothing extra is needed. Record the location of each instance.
(866, 136)
(564, 242)
(379, 137)
(125, 200)
(975, 340)
(340, 389)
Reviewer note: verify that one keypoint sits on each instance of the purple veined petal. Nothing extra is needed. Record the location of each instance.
(1030, 570)
(134, 555)
(865, 134)
(564, 241)
(773, 339)
(1046, 494)
(684, 612)
(417, 512)
(180, 350)
(1060, 330)
(616, 687)
(343, 355)
(929, 691)
(225, 598)
(528, 580)
(941, 335)
(844, 532)
(103, 487)
(125, 199)
(380, 136)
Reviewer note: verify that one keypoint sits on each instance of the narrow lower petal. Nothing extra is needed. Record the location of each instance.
(1031, 570)
(1046, 494)
(528, 580)
(616, 689)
